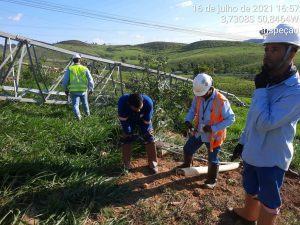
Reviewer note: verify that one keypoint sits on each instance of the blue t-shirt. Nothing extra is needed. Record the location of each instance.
(125, 111)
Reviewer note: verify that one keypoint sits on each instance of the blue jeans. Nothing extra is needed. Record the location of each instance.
(76, 98)
(193, 144)
(265, 182)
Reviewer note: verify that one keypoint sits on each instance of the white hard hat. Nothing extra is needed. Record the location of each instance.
(283, 33)
(76, 56)
(201, 84)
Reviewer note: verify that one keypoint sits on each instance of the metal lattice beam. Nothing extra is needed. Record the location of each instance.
(164, 79)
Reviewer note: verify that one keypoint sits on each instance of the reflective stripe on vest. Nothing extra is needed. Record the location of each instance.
(216, 138)
(78, 79)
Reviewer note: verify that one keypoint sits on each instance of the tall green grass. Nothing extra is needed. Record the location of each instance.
(61, 171)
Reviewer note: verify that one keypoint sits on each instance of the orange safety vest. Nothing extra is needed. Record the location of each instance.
(216, 138)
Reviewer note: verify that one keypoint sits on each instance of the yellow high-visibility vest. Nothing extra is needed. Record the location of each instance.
(78, 79)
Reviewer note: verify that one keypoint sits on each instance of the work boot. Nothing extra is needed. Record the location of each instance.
(240, 220)
(250, 211)
(126, 155)
(212, 175)
(152, 157)
(188, 161)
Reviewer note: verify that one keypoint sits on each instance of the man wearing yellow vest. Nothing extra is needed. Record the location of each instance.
(212, 114)
(78, 81)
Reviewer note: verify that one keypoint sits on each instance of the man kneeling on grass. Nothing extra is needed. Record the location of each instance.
(136, 111)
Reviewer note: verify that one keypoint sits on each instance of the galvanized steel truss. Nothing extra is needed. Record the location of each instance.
(108, 77)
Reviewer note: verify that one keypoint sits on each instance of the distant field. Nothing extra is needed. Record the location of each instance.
(224, 57)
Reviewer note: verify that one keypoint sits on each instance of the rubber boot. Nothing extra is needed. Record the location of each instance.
(251, 210)
(152, 157)
(188, 161)
(126, 154)
(212, 175)
(265, 217)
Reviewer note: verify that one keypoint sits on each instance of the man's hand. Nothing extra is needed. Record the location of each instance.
(207, 129)
(189, 128)
(188, 125)
(261, 80)
(237, 152)
(126, 138)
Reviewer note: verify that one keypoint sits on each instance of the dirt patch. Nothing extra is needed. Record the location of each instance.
(167, 198)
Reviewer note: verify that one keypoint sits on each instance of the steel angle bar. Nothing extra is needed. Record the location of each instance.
(38, 68)
(3, 78)
(23, 53)
(34, 72)
(13, 68)
(104, 77)
(3, 55)
(58, 80)
(31, 100)
(112, 71)
(8, 57)
(121, 78)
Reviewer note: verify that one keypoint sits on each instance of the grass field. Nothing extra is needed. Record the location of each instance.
(61, 171)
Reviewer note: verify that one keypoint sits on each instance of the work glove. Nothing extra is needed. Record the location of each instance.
(190, 129)
(261, 80)
(237, 152)
(188, 125)
(207, 129)
(67, 93)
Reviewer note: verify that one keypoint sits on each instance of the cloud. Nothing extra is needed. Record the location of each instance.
(16, 18)
(98, 41)
(184, 4)
(243, 32)
(177, 18)
(138, 36)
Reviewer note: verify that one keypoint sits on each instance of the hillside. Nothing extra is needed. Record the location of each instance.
(220, 56)
(73, 42)
(159, 46)
(214, 44)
